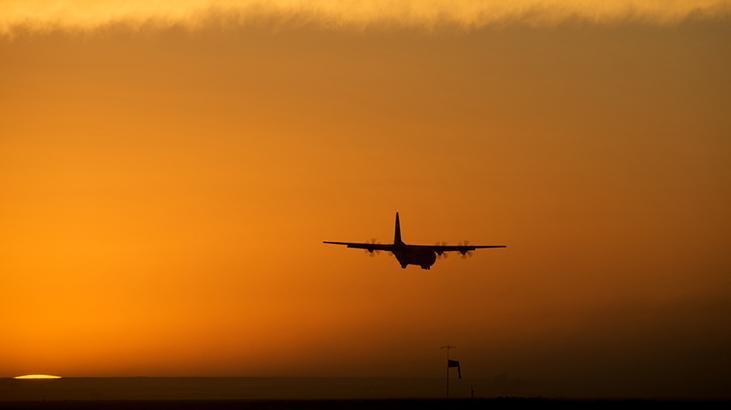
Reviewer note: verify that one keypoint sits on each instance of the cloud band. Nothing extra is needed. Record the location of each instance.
(91, 14)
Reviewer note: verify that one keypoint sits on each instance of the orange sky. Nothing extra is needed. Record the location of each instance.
(164, 191)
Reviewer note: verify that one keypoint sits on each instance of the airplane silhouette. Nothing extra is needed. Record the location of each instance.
(422, 255)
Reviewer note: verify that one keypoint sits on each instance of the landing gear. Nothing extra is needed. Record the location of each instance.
(404, 265)
(426, 267)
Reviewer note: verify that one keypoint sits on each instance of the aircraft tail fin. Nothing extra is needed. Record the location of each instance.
(397, 232)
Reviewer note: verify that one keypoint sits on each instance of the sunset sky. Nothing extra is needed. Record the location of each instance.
(168, 170)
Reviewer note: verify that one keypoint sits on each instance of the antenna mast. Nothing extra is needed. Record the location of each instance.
(447, 347)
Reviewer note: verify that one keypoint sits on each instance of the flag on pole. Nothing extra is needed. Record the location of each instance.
(455, 363)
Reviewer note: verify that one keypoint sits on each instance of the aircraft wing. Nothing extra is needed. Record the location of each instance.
(462, 248)
(367, 246)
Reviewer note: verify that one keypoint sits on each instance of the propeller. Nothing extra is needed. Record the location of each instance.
(441, 254)
(372, 252)
(465, 254)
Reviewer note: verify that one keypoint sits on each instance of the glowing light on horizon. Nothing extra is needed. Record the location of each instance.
(37, 377)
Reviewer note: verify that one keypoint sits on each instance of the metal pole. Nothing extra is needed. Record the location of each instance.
(447, 372)
(447, 348)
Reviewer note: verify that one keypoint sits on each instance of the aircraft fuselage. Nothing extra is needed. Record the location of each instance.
(414, 255)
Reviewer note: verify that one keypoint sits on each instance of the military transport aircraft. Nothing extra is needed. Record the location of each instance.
(422, 255)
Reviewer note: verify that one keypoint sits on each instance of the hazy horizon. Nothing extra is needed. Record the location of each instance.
(308, 388)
